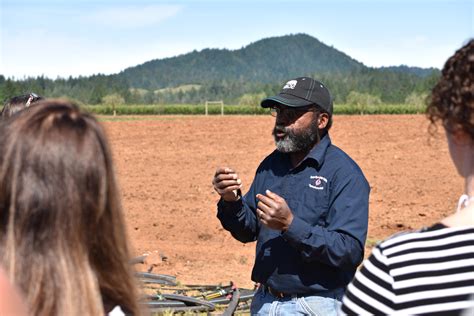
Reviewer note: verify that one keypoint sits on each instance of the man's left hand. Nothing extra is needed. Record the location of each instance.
(273, 211)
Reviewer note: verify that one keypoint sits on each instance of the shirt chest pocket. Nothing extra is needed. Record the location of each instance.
(311, 205)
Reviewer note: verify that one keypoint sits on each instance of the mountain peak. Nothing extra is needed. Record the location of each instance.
(264, 61)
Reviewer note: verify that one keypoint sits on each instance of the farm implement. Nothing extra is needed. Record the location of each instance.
(164, 295)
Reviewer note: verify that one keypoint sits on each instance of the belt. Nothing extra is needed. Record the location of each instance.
(336, 294)
(279, 294)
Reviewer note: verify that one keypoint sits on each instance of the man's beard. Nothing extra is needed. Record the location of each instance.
(298, 141)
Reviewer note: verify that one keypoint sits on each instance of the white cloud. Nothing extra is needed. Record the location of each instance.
(133, 16)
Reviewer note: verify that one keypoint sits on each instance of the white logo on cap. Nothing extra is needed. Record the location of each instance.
(290, 84)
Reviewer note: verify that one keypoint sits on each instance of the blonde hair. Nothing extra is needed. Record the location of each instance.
(62, 236)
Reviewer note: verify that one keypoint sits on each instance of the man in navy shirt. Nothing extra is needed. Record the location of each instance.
(307, 208)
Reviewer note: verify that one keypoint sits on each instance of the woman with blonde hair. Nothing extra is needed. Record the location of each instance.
(62, 237)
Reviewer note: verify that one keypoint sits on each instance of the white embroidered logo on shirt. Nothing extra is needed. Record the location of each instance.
(290, 84)
(317, 182)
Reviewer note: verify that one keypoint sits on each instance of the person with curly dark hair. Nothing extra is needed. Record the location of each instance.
(452, 97)
(430, 271)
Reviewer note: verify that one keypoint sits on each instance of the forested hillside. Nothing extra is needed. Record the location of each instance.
(240, 76)
(266, 61)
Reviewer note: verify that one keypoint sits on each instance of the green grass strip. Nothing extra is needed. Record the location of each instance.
(192, 109)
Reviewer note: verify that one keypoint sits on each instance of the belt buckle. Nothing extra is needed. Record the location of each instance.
(275, 292)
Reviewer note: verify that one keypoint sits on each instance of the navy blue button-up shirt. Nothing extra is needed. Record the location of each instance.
(328, 196)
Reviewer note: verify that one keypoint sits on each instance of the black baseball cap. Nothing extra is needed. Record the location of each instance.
(302, 91)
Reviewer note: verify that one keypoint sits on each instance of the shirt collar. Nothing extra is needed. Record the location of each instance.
(319, 151)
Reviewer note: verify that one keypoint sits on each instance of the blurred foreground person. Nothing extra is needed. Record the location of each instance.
(16, 104)
(62, 234)
(430, 271)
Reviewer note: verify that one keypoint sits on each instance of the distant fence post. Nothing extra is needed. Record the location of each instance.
(220, 102)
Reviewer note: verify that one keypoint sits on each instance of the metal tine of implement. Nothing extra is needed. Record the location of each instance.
(184, 309)
(245, 295)
(165, 279)
(171, 300)
(229, 311)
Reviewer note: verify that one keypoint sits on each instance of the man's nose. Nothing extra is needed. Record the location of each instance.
(282, 119)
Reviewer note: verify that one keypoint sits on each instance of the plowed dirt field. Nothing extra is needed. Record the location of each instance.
(165, 166)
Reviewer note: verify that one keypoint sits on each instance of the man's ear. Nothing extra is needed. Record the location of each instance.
(323, 120)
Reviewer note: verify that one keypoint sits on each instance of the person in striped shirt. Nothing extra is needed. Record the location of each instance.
(430, 271)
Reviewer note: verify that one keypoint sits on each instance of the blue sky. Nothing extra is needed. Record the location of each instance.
(84, 37)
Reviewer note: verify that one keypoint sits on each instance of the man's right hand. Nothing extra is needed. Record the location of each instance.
(227, 183)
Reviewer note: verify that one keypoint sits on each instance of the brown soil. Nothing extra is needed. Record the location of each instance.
(165, 167)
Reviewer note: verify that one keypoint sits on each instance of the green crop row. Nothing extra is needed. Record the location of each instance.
(184, 109)
(379, 109)
(190, 109)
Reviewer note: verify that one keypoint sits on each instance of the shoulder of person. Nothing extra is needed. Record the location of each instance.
(415, 235)
(462, 218)
(338, 156)
(345, 170)
(400, 238)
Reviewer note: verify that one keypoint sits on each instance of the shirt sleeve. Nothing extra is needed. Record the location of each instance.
(239, 218)
(371, 291)
(340, 243)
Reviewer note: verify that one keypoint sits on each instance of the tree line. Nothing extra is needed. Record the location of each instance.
(369, 84)
(243, 76)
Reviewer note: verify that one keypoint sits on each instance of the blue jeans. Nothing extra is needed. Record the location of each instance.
(264, 303)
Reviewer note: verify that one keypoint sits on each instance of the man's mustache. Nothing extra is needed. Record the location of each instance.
(280, 128)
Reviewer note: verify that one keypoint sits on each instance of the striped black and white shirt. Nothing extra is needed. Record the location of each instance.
(430, 271)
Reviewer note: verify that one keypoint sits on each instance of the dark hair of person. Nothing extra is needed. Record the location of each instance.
(19, 103)
(452, 98)
(62, 231)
